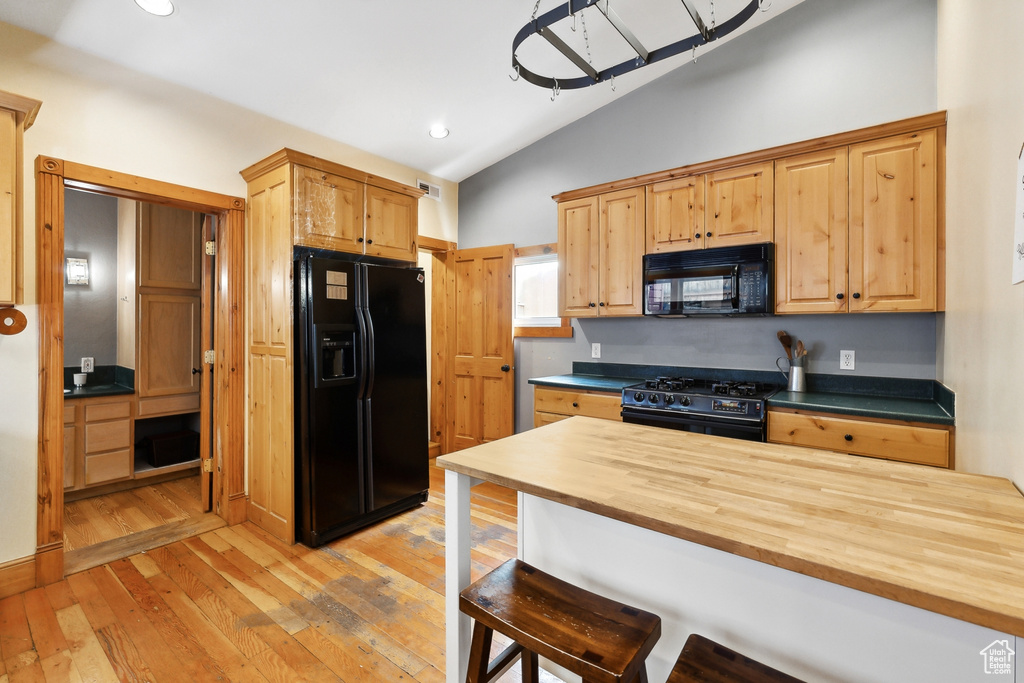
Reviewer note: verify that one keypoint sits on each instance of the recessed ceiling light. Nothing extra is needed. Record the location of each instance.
(160, 8)
(438, 132)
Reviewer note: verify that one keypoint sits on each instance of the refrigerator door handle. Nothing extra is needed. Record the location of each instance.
(364, 340)
(368, 442)
(368, 355)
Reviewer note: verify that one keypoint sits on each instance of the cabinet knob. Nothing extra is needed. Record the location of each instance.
(592, 304)
(601, 304)
(856, 295)
(196, 371)
(848, 437)
(839, 296)
(369, 241)
(360, 239)
(697, 235)
(708, 234)
(575, 404)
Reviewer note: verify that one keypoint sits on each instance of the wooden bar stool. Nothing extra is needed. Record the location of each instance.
(601, 640)
(705, 661)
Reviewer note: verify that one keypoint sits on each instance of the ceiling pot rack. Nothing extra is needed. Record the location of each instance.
(542, 26)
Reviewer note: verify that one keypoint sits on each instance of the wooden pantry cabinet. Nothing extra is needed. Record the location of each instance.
(600, 255)
(858, 229)
(551, 404)
(298, 199)
(914, 442)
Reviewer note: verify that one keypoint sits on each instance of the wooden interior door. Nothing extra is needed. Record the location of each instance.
(481, 384)
(810, 232)
(206, 383)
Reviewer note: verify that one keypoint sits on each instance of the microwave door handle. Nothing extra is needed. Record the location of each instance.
(736, 288)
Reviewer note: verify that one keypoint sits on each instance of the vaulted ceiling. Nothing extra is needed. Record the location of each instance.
(377, 74)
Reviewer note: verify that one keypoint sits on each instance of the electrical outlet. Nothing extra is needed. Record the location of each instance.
(88, 364)
(846, 360)
(595, 350)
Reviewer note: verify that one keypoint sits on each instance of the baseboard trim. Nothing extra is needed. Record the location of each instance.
(17, 576)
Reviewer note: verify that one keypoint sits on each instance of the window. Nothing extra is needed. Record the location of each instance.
(535, 294)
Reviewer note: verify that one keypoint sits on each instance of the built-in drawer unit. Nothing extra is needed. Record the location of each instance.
(552, 404)
(915, 442)
(98, 440)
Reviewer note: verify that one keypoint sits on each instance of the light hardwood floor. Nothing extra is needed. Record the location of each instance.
(236, 604)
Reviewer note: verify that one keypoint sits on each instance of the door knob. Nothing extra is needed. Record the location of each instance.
(505, 368)
(196, 371)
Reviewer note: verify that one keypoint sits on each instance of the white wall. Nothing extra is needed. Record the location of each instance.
(980, 54)
(103, 115)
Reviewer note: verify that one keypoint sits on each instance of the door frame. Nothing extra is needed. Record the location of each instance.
(228, 422)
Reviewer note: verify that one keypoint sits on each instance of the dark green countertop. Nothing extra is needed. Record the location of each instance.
(913, 400)
(864, 405)
(94, 390)
(585, 382)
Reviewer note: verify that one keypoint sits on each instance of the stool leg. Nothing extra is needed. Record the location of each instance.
(531, 669)
(479, 653)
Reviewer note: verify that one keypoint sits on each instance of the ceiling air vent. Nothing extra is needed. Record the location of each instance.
(432, 191)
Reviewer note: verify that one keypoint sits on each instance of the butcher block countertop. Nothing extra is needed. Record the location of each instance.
(948, 542)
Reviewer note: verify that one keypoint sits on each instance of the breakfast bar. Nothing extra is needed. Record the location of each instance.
(827, 566)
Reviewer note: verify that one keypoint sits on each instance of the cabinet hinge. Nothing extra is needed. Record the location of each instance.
(211, 248)
(210, 357)
(207, 464)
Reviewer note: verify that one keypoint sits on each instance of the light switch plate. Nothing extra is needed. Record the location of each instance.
(595, 350)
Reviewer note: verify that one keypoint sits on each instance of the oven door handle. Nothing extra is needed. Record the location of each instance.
(673, 420)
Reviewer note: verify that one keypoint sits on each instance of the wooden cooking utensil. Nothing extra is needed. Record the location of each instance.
(787, 343)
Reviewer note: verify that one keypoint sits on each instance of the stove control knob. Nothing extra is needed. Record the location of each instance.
(670, 399)
(654, 398)
(684, 401)
(638, 397)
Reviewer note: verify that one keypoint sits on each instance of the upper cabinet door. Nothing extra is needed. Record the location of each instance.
(391, 224)
(578, 260)
(893, 223)
(675, 215)
(810, 232)
(621, 244)
(328, 211)
(739, 205)
(169, 337)
(170, 248)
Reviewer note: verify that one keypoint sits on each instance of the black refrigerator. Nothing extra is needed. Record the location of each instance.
(361, 428)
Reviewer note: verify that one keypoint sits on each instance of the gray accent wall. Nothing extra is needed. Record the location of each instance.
(90, 311)
(823, 67)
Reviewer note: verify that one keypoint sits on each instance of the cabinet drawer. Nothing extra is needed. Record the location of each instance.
(540, 419)
(107, 411)
(923, 445)
(567, 402)
(107, 467)
(106, 436)
(168, 405)
(69, 413)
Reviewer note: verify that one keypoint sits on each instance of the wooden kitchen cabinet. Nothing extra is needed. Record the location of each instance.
(169, 374)
(894, 223)
(299, 199)
(740, 205)
(170, 248)
(101, 447)
(675, 215)
(330, 206)
(914, 442)
(17, 114)
(811, 231)
(600, 255)
(551, 404)
(857, 228)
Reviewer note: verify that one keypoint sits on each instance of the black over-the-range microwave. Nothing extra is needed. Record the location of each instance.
(719, 281)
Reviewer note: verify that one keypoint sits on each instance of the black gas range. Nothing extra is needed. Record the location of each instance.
(721, 408)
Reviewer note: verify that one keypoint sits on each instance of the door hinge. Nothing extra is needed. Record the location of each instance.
(207, 464)
(211, 248)
(210, 357)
